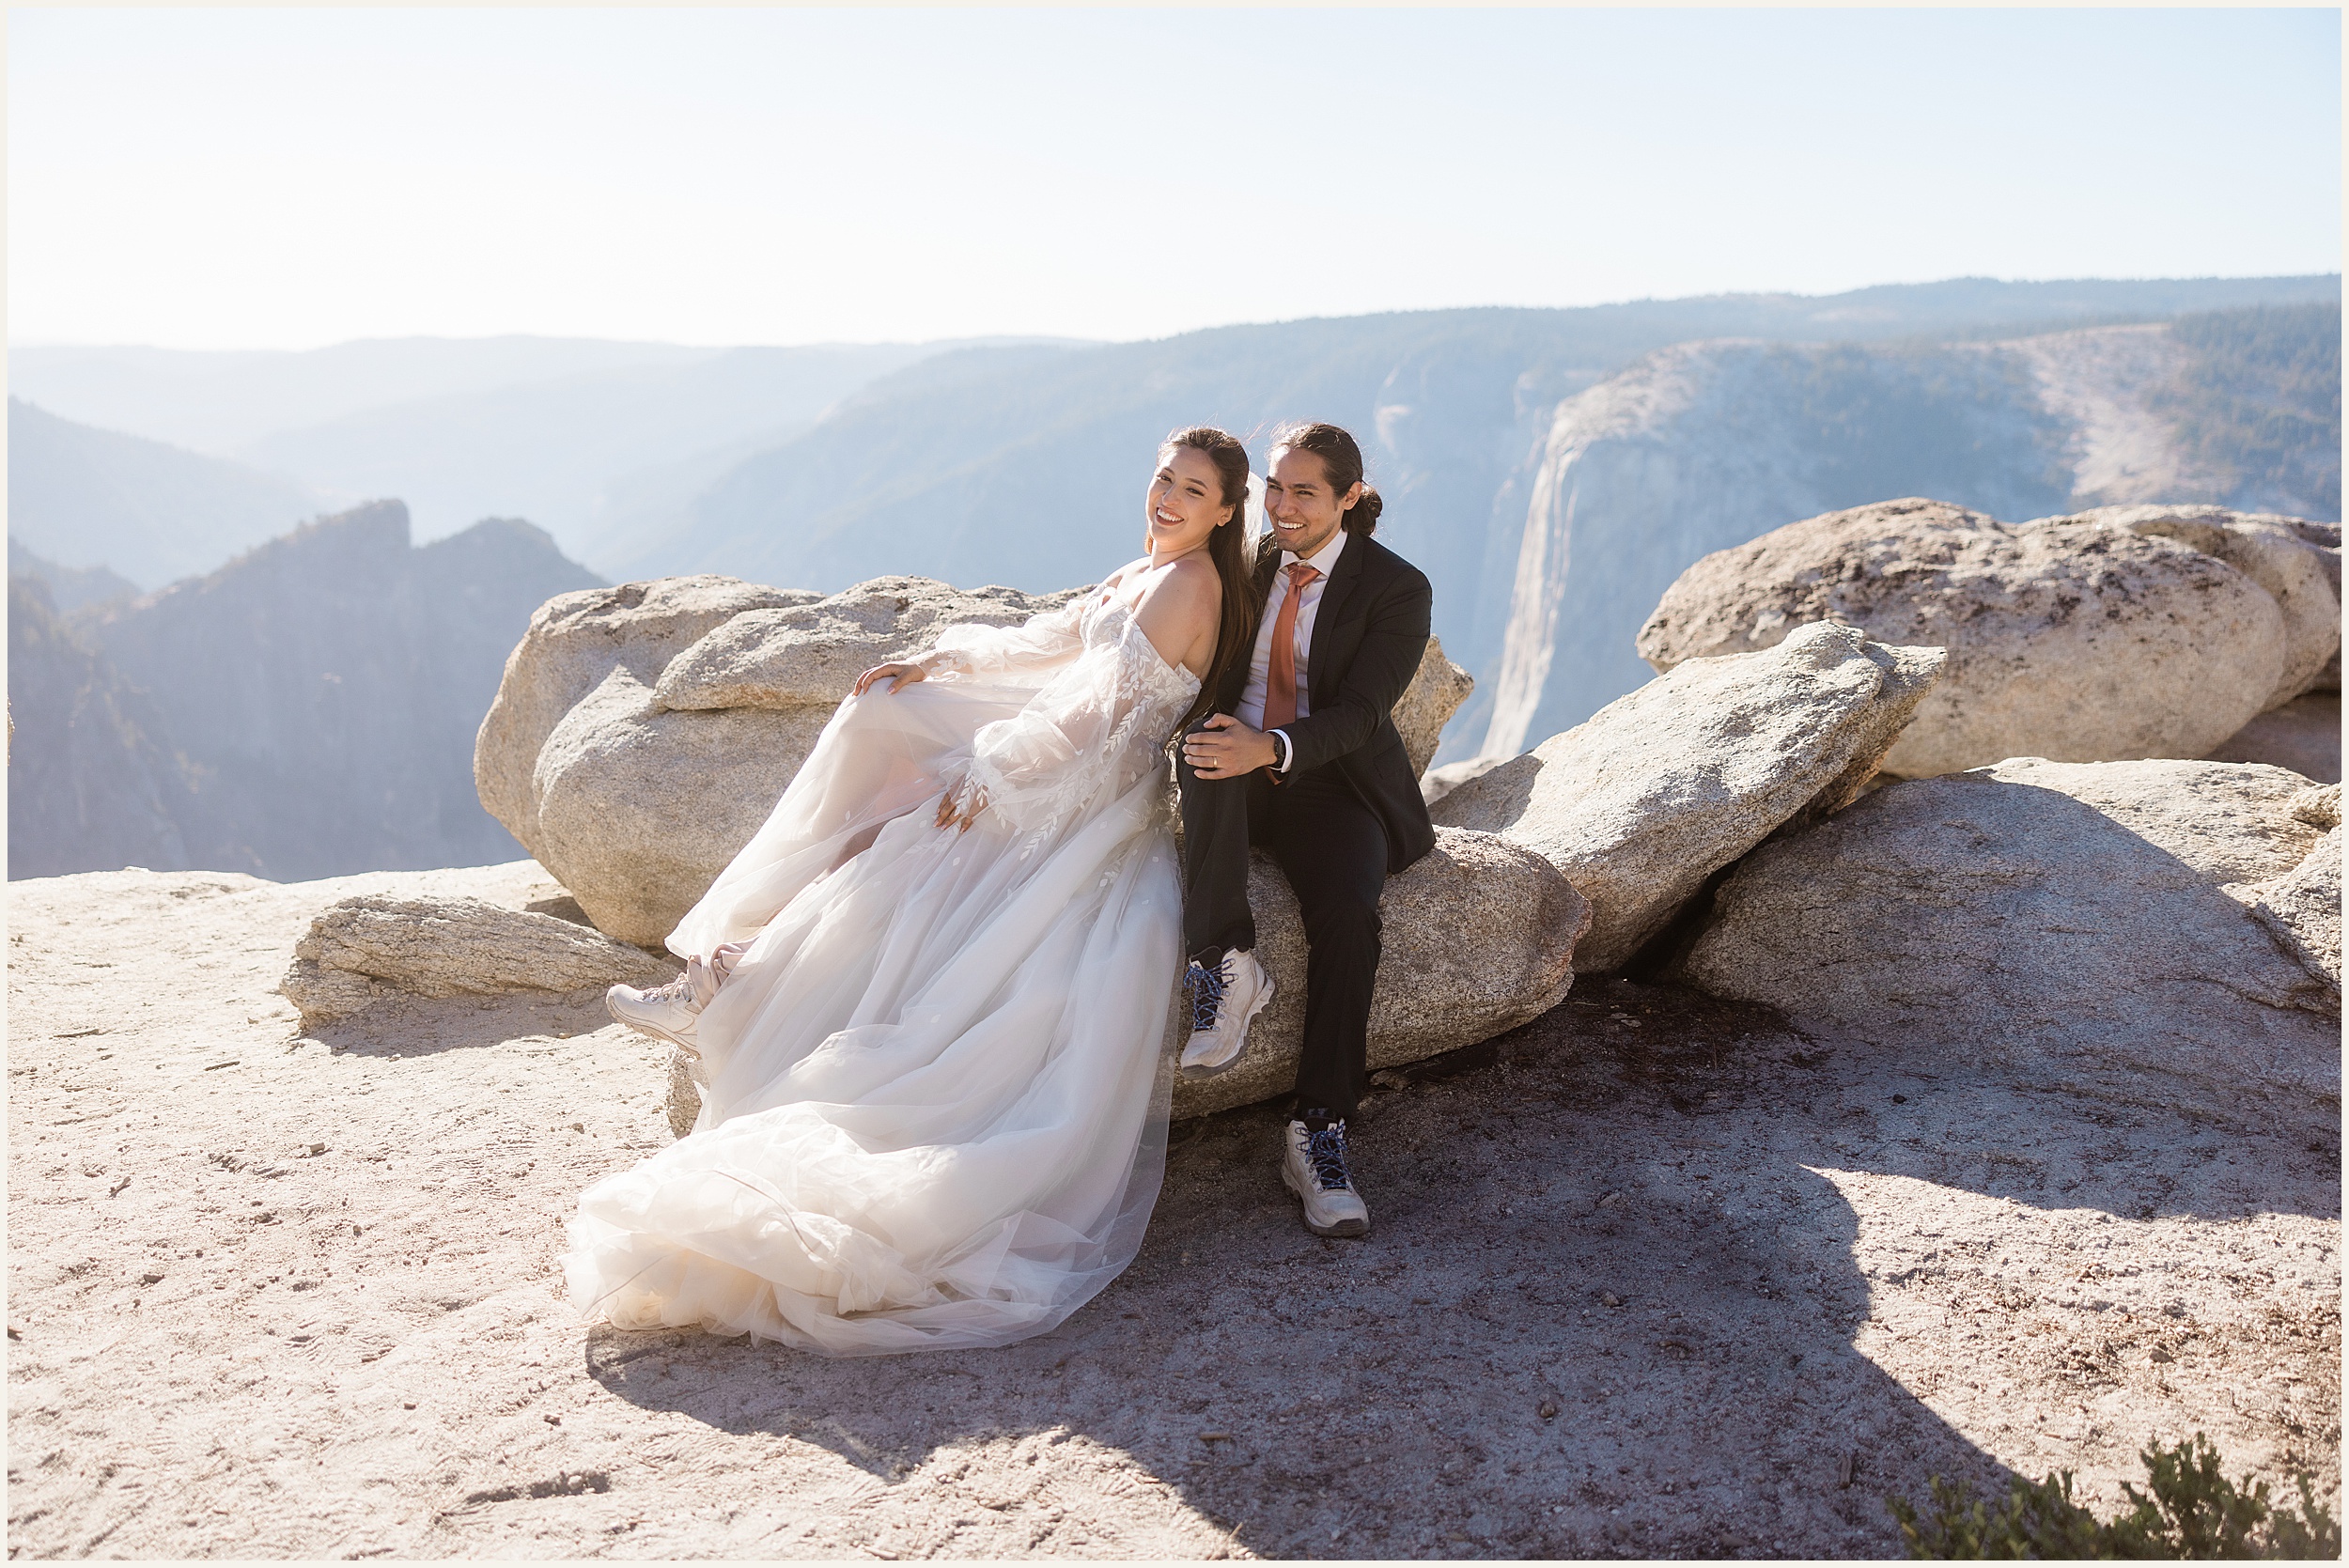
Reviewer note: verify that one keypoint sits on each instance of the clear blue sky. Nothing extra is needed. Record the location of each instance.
(289, 178)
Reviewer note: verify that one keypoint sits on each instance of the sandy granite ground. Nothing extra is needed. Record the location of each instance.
(1650, 1277)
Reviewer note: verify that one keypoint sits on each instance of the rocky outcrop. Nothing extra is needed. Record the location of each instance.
(2282, 555)
(1438, 688)
(808, 653)
(1704, 445)
(2069, 913)
(1479, 938)
(574, 641)
(643, 733)
(2066, 639)
(637, 808)
(1643, 803)
(363, 949)
(2304, 735)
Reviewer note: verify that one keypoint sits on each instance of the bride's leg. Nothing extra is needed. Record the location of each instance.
(858, 844)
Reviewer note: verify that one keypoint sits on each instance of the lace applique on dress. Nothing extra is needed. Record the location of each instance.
(1091, 732)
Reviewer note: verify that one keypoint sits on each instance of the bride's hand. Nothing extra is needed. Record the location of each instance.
(898, 675)
(959, 807)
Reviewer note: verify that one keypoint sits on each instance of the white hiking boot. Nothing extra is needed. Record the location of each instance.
(668, 1012)
(1314, 1167)
(1223, 1002)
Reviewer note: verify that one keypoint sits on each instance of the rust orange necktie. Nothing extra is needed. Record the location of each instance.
(1280, 696)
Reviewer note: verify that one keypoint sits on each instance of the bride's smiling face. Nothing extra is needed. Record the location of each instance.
(1185, 502)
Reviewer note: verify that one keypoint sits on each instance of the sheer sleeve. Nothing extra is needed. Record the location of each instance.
(1089, 728)
(1036, 647)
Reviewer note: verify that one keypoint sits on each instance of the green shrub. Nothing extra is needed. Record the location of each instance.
(2193, 1511)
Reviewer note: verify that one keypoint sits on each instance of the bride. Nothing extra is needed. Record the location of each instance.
(926, 999)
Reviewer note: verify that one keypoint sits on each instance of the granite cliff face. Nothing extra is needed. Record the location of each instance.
(1705, 446)
(89, 783)
(322, 692)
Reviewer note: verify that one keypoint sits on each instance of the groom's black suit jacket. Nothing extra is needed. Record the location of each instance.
(1370, 632)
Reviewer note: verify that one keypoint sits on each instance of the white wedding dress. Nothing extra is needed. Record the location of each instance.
(934, 1096)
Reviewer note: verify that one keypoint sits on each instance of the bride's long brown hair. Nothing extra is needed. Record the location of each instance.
(1227, 547)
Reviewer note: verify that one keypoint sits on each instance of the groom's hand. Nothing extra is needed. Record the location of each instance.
(1224, 748)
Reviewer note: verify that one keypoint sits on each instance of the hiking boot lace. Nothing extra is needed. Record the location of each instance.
(1207, 994)
(1326, 1150)
(679, 989)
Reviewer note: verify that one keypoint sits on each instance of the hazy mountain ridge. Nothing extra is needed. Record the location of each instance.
(85, 497)
(1022, 471)
(2258, 400)
(597, 441)
(1551, 469)
(646, 458)
(320, 692)
(555, 450)
(69, 588)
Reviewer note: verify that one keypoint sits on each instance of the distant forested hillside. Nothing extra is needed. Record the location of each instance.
(2259, 404)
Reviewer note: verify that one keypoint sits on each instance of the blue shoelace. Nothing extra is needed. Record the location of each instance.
(1207, 994)
(1326, 1150)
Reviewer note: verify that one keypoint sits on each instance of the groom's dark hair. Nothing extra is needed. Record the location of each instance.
(1227, 547)
(1342, 460)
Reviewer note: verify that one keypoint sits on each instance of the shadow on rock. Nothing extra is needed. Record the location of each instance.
(1610, 1306)
(412, 1026)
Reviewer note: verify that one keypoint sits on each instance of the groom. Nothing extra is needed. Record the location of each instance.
(1302, 760)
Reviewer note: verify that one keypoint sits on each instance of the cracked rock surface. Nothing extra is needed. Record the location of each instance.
(369, 946)
(2077, 639)
(2128, 911)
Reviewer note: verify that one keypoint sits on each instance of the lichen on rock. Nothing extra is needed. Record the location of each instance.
(2069, 638)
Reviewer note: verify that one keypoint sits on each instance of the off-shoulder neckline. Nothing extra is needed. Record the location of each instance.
(1111, 600)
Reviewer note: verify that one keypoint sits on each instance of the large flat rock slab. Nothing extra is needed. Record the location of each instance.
(1641, 1285)
(2052, 915)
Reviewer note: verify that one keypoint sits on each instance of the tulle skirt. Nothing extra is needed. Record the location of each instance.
(935, 1086)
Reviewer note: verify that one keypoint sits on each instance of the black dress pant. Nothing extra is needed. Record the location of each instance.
(1333, 851)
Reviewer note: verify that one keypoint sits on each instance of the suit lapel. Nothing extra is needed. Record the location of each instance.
(1334, 595)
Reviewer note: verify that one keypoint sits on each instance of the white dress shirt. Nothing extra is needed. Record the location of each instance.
(1250, 710)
